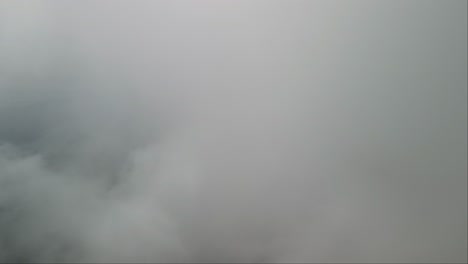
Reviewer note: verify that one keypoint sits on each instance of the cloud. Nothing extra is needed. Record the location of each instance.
(243, 131)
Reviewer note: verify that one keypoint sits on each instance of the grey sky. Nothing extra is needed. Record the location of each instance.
(233, 131)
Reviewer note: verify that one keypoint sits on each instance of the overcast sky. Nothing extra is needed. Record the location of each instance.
(233, 131)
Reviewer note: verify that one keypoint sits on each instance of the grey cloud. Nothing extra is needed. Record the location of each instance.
(233, 131)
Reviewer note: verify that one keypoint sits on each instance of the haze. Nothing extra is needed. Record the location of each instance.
(259, 131)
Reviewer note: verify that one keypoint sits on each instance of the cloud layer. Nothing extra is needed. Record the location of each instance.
(233, 131)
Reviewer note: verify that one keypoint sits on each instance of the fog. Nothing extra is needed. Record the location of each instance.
(233, 131)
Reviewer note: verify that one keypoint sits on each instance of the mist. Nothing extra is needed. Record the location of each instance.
(233, 131)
